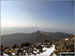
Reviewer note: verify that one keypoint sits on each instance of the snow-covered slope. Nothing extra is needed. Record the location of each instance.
(48, 51)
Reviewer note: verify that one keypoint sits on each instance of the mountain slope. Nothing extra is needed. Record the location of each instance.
(18, 38)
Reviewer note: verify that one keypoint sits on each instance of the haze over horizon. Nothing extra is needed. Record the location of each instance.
(30, 16)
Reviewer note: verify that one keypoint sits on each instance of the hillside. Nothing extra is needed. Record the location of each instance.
(66, 44)
(18, 38)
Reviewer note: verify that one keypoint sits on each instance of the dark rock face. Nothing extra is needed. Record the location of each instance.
(18, 38)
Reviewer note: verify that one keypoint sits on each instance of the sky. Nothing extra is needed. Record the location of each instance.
(58, 15)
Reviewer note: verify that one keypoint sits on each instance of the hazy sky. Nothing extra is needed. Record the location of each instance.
(43, 14)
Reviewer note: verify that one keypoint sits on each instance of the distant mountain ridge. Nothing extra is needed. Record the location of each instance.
(18, 38)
